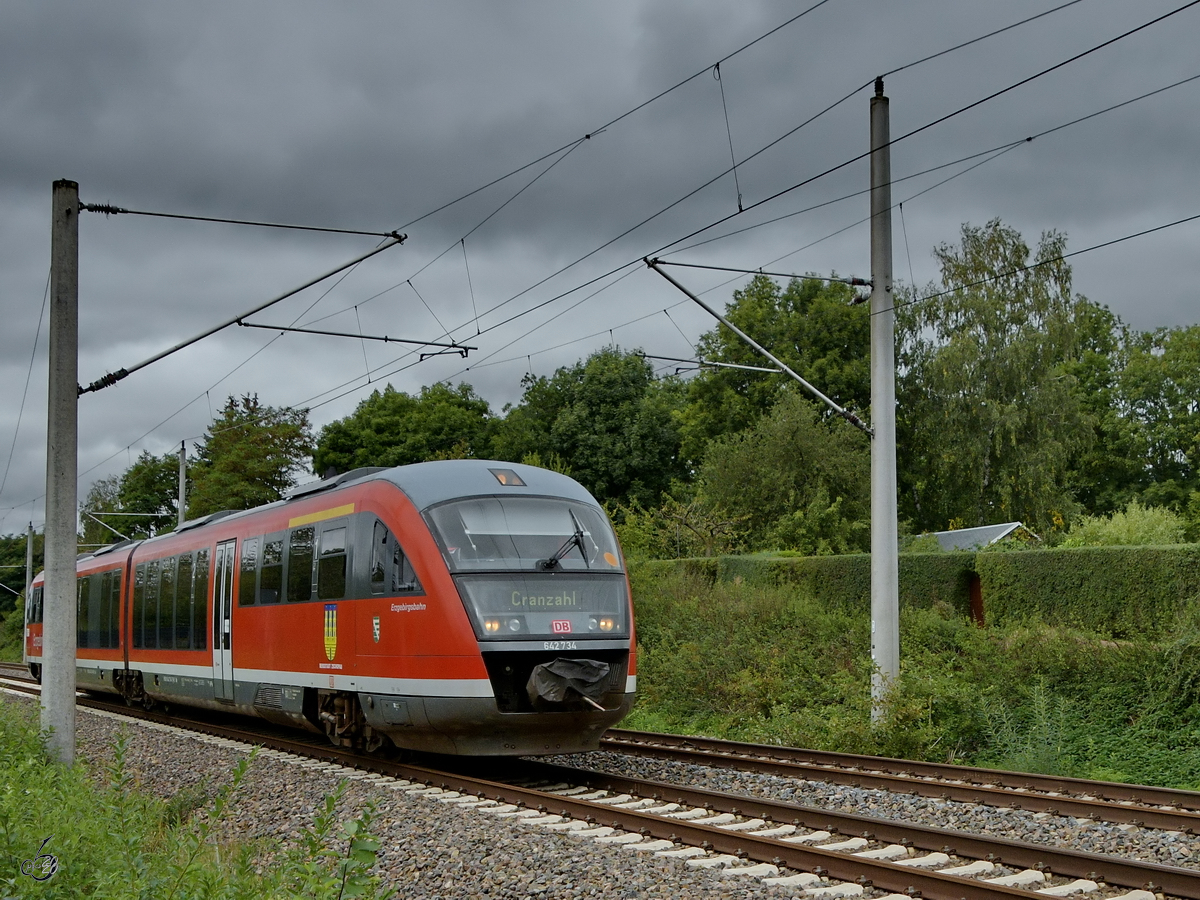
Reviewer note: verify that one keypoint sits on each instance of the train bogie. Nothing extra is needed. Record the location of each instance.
(457, 607)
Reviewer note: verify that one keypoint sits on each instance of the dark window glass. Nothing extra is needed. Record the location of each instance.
(200, 602)
(166, 605)
(139, 605)
(105, 623)
(150, 625)
(379, 557)
(82, 610)
(300, 564)
(404, 579)
(96, 601)
(183, 604)
(114, 610)
(247, 586)
(270, 578)
(331, 566)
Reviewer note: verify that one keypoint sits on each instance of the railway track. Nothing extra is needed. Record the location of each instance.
(1139, 805)
(827, 854)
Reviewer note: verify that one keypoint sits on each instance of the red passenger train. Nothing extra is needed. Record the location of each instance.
(461, 606)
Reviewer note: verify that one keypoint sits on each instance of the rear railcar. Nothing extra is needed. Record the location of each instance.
(100, 582)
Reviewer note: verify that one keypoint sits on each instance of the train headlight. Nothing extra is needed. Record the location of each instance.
(607, 623)
(491, 626)
(514, 625)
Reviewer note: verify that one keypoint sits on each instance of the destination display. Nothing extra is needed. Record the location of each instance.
(559, 606)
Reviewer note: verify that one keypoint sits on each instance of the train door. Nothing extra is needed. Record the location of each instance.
(222, 608)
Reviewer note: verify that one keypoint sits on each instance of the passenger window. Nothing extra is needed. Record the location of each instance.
(391, 571)
(379, 554)
(200, 604)
(183, 604)
(139, 605)
(95, 597)
(114, 622)
(166, 606)
(246, 585)
(82, 610)
(331, 565)
(270, 578)
(104, 624)
(404, 579)
(300, 564)
(150, 623)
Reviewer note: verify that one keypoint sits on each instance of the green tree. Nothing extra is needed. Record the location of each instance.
(810, 325)
(12, 573)
(1160, 394)
(104, 496)
(391, 428)
(249, 456)
(989, 416)
(607, 419)
(794, 481)
(1109, 471)
(146, 495)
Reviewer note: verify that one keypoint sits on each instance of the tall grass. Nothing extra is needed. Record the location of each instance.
(111, 841)
(774, 665)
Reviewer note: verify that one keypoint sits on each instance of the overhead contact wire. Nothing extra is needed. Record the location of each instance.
(938, 121)
(1037, 265)
(623, 115)
(25, 393)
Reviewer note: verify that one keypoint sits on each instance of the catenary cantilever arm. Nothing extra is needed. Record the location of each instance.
(844, 413)
(113, 377)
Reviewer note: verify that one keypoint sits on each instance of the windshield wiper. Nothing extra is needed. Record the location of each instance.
(575, 540)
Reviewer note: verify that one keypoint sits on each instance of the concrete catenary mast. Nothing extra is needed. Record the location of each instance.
(62, 463)
(885, 577)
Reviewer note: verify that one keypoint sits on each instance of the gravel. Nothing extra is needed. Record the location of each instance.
(1150, 845)
(429, 848)
(434, 849)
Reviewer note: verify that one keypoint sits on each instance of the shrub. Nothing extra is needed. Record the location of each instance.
(1136, 525)
(763, 659)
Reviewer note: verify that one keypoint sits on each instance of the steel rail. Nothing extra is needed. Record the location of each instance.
(1106, 790)
(1019, 854)
(1035, 793)
(827, 863)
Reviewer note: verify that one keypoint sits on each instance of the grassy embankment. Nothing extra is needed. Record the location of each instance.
(70, 832)
(773, 664)
(769, 664)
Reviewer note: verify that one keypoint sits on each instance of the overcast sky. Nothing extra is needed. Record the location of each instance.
(374, 115)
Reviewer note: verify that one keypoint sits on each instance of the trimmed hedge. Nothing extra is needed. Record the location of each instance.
(840, 581)
(1113, 591)
(1117, 591)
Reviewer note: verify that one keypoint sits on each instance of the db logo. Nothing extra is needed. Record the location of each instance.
(561, 626)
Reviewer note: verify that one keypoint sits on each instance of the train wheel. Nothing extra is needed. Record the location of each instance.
(345, 725)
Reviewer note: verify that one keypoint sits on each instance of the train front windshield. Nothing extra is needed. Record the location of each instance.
(534, 567)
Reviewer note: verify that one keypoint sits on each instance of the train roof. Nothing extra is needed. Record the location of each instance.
(430, 483)
(426, 484)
